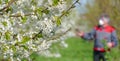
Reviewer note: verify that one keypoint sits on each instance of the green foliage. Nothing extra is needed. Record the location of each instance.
(104, 42)
(46, 11)
(13, 48)
(6, 1)
(24, 19)
(11, 21)
(25, 47)
(4, 23)
(55, 2)
(0, 1)
(33, 56)
(24, 59)
(25, 39)
(39, 11)
(5, 48)
(39, 35)
(7, 35)
(55, 47)
(34, 2)
(58, 20)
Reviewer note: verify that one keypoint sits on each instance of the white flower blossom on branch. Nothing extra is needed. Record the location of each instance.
(29, 26)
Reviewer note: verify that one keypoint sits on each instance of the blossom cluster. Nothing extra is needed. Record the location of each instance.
(28, 26)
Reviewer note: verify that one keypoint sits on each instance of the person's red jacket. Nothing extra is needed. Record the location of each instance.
(101, 36)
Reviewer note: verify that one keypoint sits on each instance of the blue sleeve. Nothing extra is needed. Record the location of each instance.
(114, 38)
(90, 35)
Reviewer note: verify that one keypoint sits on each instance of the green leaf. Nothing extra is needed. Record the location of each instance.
(46, 11)
(6, 1)
(33, 56)
(11, 21)
(25, 39)
(24, 19)
(104, 42)
(5, 48)
(25, 47)
(39, 11)
(24, 59)
(4, 23)
(39, 35)
(55, 2)
(58, 20)
(34, 2)
(7, 35)
(0, 2)
(13, 48)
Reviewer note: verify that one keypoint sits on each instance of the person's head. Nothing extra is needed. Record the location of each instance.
(104, 20)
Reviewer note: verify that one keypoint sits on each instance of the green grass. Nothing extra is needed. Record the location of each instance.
(78, 50)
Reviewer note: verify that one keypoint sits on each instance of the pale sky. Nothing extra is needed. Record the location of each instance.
(81, 8)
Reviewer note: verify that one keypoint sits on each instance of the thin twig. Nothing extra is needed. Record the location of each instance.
(7, 5)
(19, 15)
(72, 6)
(58, 35)
(37, 34)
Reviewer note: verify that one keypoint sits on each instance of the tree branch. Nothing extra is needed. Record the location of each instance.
(19, 15)
(58, 35)
(7, 5)
(37, 34)
(72, 6)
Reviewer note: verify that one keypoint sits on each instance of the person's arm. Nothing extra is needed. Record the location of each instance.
(114, 39)
(87, 36)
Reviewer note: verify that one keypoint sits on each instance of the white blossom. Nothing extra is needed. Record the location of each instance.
(24, 21)
(33, 7)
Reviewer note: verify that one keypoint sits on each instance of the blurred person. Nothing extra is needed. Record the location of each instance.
(103, 35)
